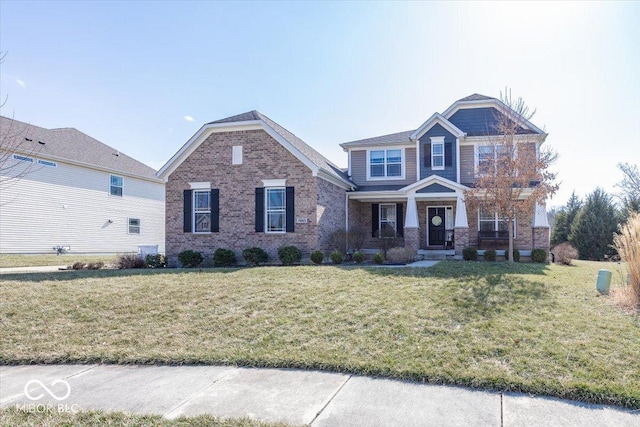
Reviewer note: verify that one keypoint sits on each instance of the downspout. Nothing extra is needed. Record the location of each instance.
(346, 220)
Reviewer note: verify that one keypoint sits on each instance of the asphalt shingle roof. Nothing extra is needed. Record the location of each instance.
(475, 97)
(68, 144)
(316, 158)
(392, 138)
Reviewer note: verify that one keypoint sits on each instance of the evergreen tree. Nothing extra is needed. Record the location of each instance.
(593, 228)
(564, 220)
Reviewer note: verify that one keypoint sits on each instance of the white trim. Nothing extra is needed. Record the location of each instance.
(461, 220)
(200, 185)
(386, 178)
(439, 119)
(496, 220)
(457, 159)
(437, 140)
(116, 186)
(129, 226)
(434, 179)
(274, 182)
(395, 214)
(193, 210)
(418, 158)
(348, 162)
(540, 219)
(411, 216)
(266, 208)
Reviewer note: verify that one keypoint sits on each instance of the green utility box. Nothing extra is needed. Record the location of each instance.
(604, 281)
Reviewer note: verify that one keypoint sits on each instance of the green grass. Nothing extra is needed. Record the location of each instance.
(40, 260)
(19, 418)
(526, 327)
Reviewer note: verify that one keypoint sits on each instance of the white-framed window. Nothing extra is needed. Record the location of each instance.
(385, 163)
(133, 226)
(437, 154)
(488, 220)
(202, 211)
(488, 157)
(236, 155)
(275, 210)
(116, 184)
(22, 158)
(388, 225)
(47, 163)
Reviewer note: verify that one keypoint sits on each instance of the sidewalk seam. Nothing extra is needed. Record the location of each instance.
(330, 400)
(194, 395)
(501, 410)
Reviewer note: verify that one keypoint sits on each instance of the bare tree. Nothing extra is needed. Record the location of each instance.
(16, 149)
(514, 175)
(629, 188)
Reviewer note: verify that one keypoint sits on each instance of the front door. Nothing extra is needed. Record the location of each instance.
(436, 223)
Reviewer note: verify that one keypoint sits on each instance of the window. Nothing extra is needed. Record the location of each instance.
(388, 224)
(490, 221)
(236, 155)
(276, 210)
(115, 185)
(437, 155)
(202, 211)
(47, 163)
(134, 226)
(22, 158)
(385, 163)
(488, 156)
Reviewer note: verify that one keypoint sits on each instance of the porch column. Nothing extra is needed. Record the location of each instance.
(411, 227)
(540, 233)
(461, 227)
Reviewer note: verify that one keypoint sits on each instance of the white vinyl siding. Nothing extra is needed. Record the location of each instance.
(68, 205)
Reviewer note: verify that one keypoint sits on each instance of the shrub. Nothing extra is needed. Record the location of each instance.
(470, 253)
(378, 258)
(516, 255)
(386, 240)
(126, 261)
(156, 261)
(95, 265)
(399, 255)
(490, 255)
(190, 258)
(317, 257)
(627, 243)
(338, 240)
(289, 255)
(255, 256)
(336, 257)
(358, 257)
(356, 236)
(539, 255)
(564, 253)
(78, 265)
(224, 258)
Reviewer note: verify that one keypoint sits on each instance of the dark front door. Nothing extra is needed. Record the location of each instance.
(435, 224)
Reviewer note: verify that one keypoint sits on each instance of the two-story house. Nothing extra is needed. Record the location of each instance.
(246, 181)
(61, 188)
(412, 184)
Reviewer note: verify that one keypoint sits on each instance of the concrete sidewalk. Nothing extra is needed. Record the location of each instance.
(293, 396)
(43, 269)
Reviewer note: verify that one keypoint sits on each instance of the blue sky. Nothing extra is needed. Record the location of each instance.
(144, 76)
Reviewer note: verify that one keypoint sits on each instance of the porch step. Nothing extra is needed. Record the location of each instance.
(438, 254)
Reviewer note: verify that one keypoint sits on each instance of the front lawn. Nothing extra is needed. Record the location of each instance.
(39, 260)
(527, 327)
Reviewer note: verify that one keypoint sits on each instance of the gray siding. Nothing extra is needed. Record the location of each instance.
(467, 164)
(479, 121)
(435, 188)
(359, 169)
(449, 172)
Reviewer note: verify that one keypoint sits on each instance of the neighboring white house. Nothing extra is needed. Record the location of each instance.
(60, 187)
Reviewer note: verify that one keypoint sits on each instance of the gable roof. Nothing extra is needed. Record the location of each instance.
(390, 139)
(69, 145)
(305, 153)
(431, 121)
(475, 97)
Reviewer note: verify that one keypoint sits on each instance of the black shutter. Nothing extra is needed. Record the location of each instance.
(187, 211)
(215, 210)
(427, 155)
(375, 219)
(259, 210)
(399, 220)
(448, 154)
(291, 211)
